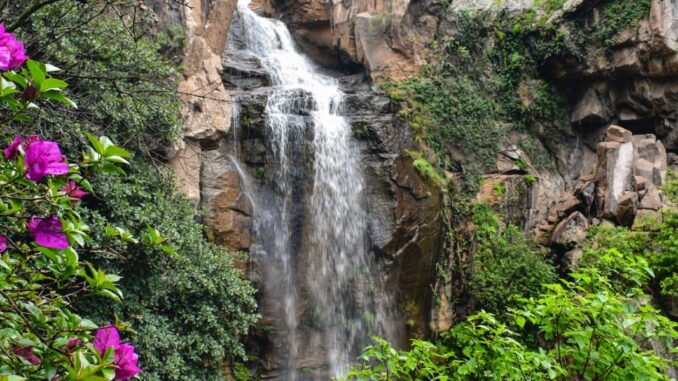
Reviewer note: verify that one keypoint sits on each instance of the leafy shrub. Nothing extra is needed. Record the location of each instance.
(584, 330)
(505, 267)
(189, 305)
(42, 235)
(125, 88)
(184, 299)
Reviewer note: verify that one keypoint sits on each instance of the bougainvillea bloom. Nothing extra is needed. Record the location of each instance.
(106, 337)
(74, 192)
(12, 54)
(44, 158)
(12, 151)
(47, 232)
(27, 353)
(3, 243)
(125, 358)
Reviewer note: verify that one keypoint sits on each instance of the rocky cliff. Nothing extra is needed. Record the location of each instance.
(608, 166)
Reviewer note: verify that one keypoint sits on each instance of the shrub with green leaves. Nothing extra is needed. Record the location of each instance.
(185, 303)
(584, 329)
(42, 236)
(504, 267)
(189, 309)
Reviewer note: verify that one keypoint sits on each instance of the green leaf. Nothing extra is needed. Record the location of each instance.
(520, 321)
(37, 72)
(59, 97)
(53, 83)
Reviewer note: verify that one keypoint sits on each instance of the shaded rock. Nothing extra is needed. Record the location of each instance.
(185, 164)
(570, 231)
(592, 108)
(647, 216)
(628, 206)
(652, 200)
(227, 208)
(571, 259)
(618, 134)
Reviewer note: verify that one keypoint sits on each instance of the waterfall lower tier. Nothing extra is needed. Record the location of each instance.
(323, 291)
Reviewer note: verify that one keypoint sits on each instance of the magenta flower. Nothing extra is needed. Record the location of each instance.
(3, 243)
(106, 337)
(44, 158)
(74, 192)
(125, 358)
(47, 232)
(27, 353)
(12, 54)
(12, 151)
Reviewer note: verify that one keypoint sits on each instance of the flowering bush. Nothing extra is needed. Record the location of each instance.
(41, 237)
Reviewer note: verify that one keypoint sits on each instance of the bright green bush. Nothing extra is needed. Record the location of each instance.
(505, 267)
(584, 328)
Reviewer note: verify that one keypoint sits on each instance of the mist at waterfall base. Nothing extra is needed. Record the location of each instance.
(322, 289)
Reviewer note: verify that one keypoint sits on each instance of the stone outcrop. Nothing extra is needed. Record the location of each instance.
(206, 109)
(623, 189)
(383, 36)
(635, 85)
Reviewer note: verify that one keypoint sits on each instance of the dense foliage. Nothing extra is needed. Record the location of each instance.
(584, 329)
(42, 235)
(189, 309)
(504, 267)
(185, 305)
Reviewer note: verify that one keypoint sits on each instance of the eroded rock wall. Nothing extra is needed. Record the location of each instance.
(206, 109)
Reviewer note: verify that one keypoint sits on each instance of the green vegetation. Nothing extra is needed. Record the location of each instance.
(189, 309)
(504, 268)
(186, 306)
(426, 170)
(579, 329)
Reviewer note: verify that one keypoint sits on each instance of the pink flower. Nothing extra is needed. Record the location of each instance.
(125, 358)
(12, 151)
(44, 158)
(27, 353)
(47, 232)
(106, 337)
(74, 192)
(3, 243)
(12, 54)
(30, 139)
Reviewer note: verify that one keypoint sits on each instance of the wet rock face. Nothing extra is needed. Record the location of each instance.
(404, 228)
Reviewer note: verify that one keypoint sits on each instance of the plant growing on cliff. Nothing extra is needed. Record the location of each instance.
(504, 267)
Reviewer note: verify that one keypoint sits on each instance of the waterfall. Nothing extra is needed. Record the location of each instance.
(322, 288)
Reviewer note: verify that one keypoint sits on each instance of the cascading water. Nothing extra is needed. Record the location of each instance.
(319, 279)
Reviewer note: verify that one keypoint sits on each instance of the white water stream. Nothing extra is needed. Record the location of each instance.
(325, 289)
